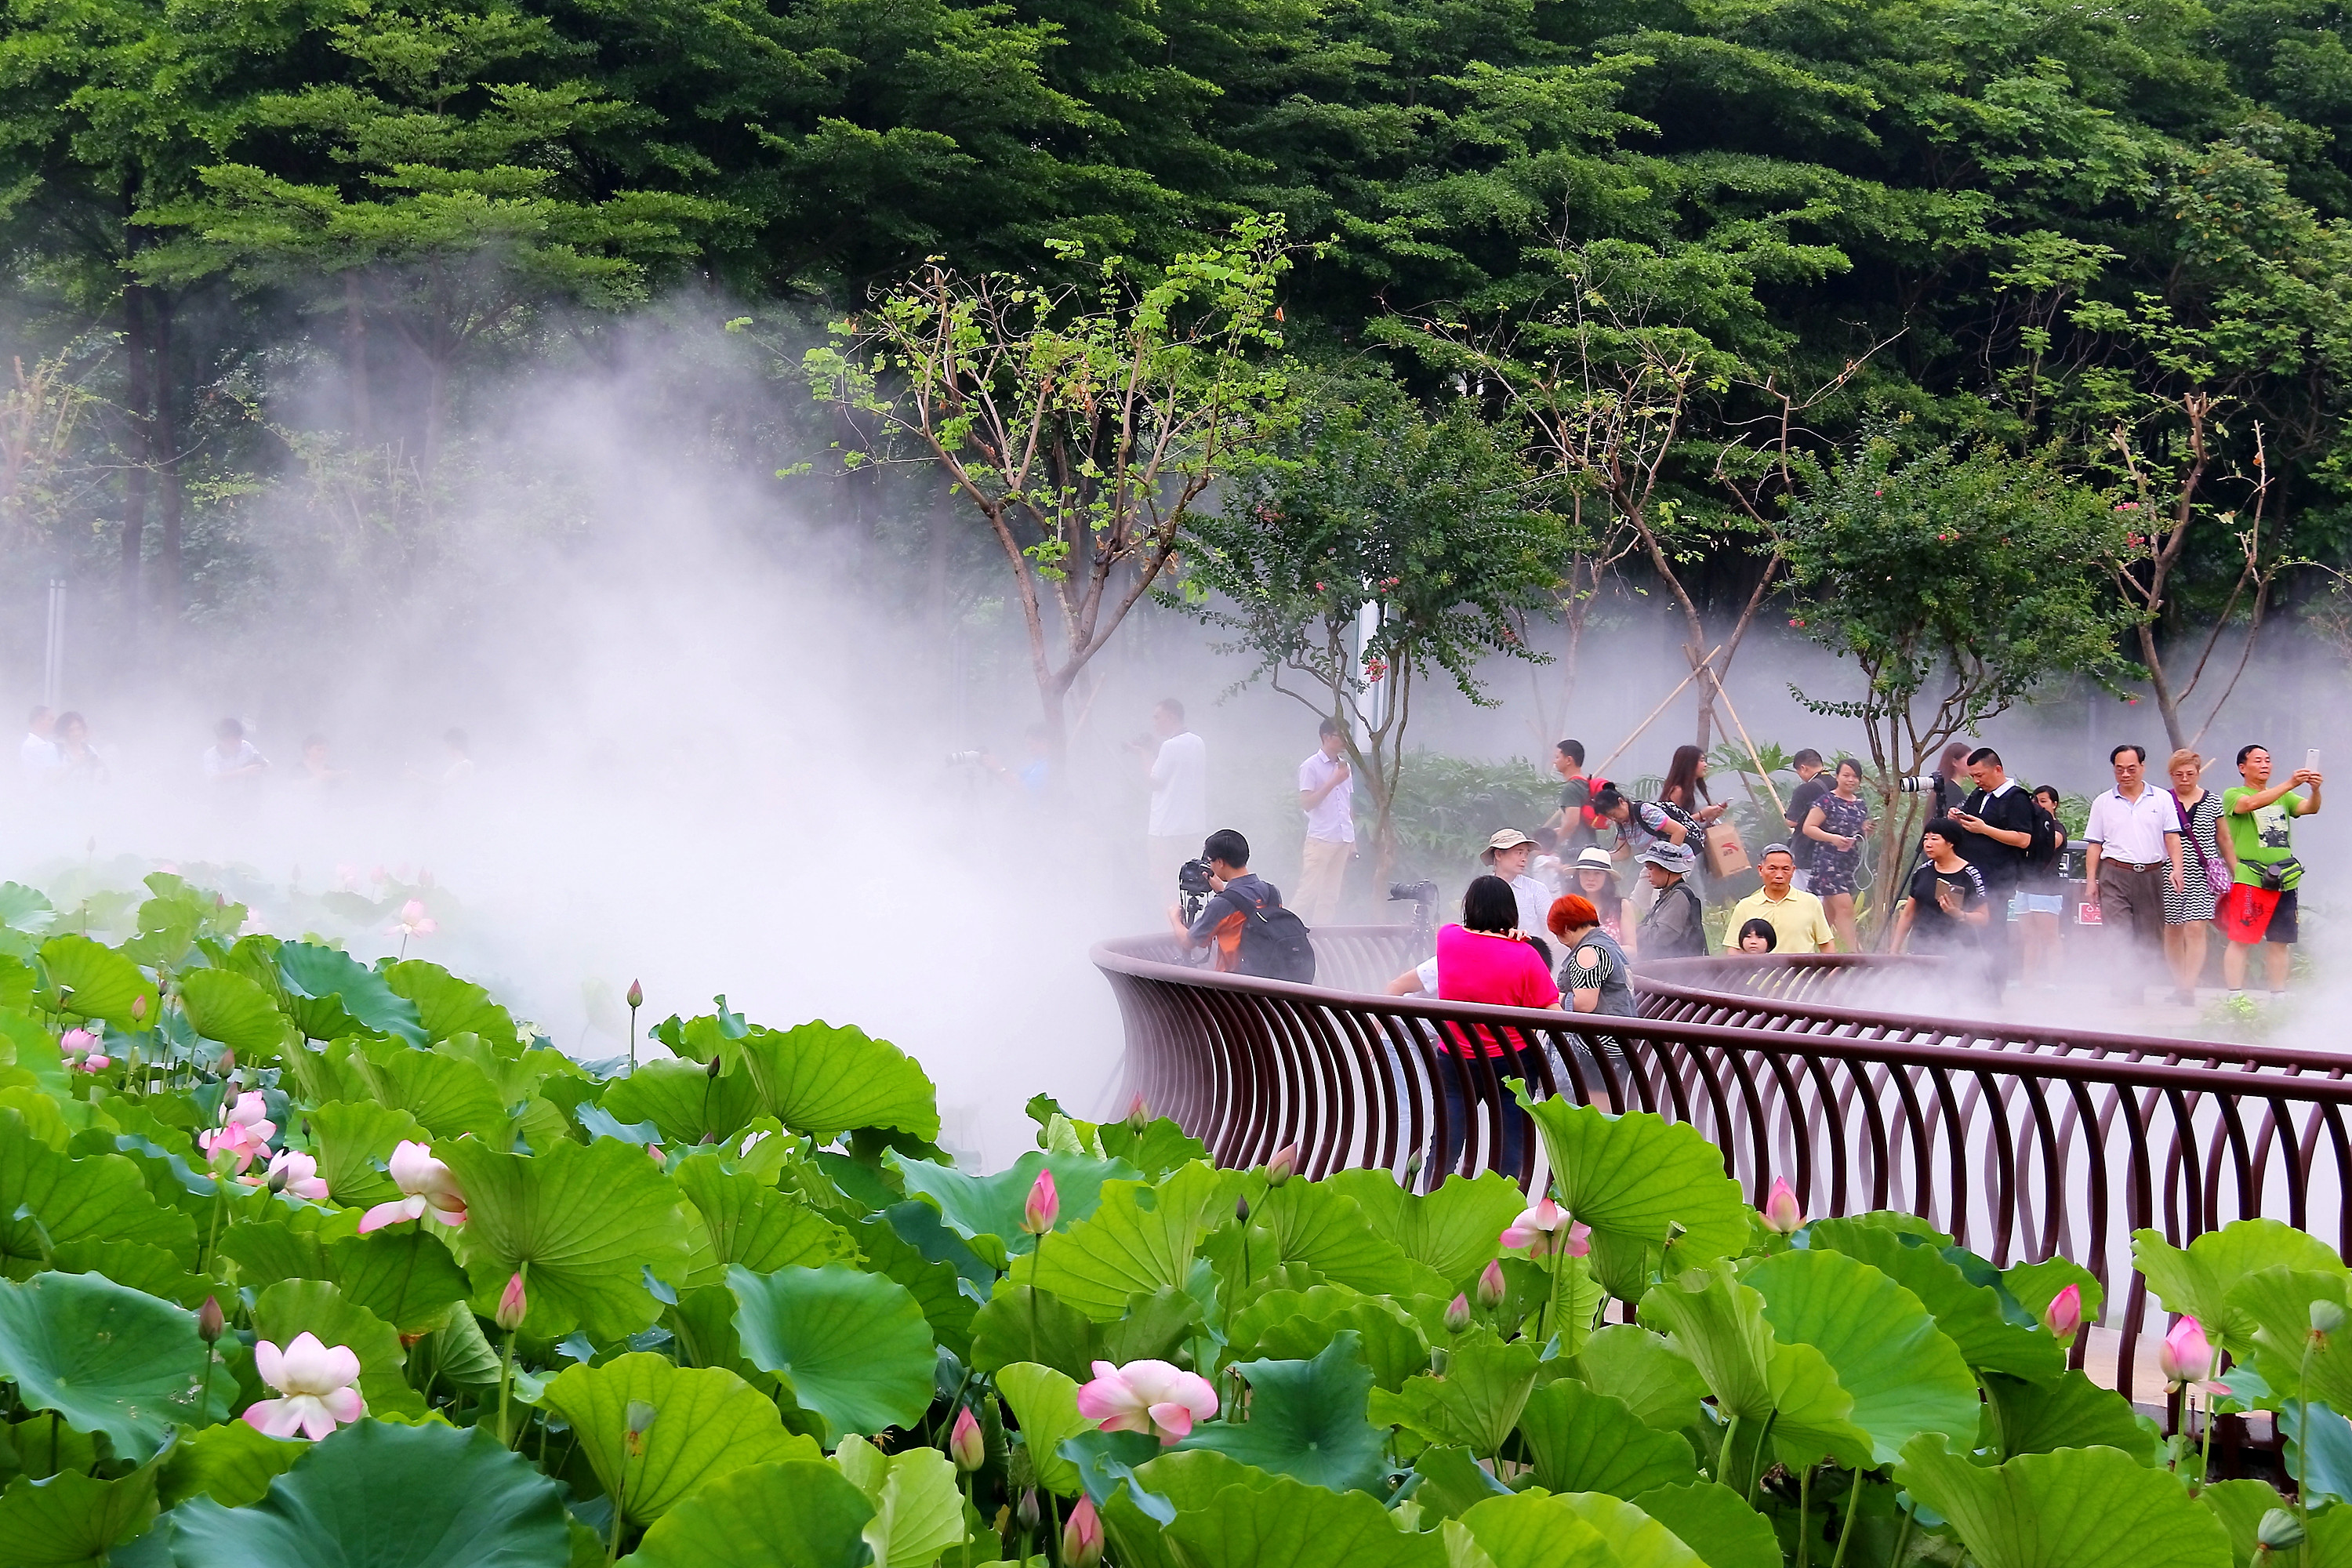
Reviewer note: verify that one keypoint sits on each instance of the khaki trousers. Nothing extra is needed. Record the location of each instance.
(1322, 876)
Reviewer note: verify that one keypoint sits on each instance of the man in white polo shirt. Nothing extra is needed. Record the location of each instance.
(1327, 794)
(2134, 842)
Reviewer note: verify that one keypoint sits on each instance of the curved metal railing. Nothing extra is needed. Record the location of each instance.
(2023, 1142)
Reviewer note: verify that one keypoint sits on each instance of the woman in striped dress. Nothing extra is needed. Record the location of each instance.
(2189, 909)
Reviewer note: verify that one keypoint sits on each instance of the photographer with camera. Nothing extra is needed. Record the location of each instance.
(1241, 916)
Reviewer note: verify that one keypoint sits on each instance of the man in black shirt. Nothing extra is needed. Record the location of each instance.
(1575, 794)
(1997, 822)
(1813, 783)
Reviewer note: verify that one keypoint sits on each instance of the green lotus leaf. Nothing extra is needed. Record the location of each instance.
(1720, 1323)
(1475, 1403)
(330, 994)
(2068, 1411)
(1904, 1375)
(448, 1006)
(748, 1222)
(1021, 1324)
(294, 1307)
(824, 1080)
(90, 981)
(1453, 1230)
(1580, 1441)
(24, 909)
(231, 1463)
(1970, 1315)
(918, 1510)
(148, 1268)
(1656, 1381)
(410, 1281)
(450, 1096)
(1534, 1531)
(27, 1043)
(1307, 1420)
(991, 1206)
(107, 1358)
(228, 1007)
(798, 1513)
(1452, 1482)
(706, 1424)
(1629, 1177)
(2240, 1506)
(1635, 1540)
(2198, 1280)
(2064, 1509)
(853, 1346)
(1045, 1404)
(2033, 1286)
(1293, 1325)
(1142, 1238)
(73, 1519)
(684, 1103)
(1712, 1520)
(590, 1220)
(2271, 1309)
(1289, 1524)
(1317, 1224)
(2322, 1467)
(381, 1495)
(353, 1139)
(937, 1289)
(460, 1352)
(1554, 1298)
(1159, 1147)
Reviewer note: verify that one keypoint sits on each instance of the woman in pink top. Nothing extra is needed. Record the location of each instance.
(1486, 959)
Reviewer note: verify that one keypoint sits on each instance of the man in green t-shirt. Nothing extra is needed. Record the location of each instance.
(2260, 817)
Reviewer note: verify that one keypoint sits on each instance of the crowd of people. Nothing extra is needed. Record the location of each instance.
(1611, 877)
(58, 757)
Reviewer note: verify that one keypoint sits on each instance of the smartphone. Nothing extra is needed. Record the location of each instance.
(2311, 760)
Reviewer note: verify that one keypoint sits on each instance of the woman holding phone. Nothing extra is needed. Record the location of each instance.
(1838, 822)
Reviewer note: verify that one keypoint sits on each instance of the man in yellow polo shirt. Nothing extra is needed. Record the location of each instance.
(1795, 914)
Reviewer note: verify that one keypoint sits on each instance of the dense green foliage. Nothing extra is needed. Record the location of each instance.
(305, 1261)
(2117, 237)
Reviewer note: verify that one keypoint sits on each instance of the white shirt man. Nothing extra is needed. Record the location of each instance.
(39, 755)
(1327, 794)
(1179, 771)
(1510, 853)
(2132, 839)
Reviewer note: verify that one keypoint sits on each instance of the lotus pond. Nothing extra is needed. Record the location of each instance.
(312, 1261)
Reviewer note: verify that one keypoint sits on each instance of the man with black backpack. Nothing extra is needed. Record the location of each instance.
(1243, 917)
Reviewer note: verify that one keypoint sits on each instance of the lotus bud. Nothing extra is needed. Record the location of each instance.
(636, 995)
(1411, 1168)
(1782, 1213)
(716, 1061)
(965, 1445)
(1241, 1210)
(2326, 1316)
(278, 1176)
(227, 1065)
(1490, 1285)
(209, 1321)
(1278, 1170)
(139, 1009)
(2279, 1531)
(1457, 1314)
(1082, 1537)
(1043, 1207)
(513, 1304)
(1138, 1115)
(1024, 1513)
(2063, 1316)
(641, 1417)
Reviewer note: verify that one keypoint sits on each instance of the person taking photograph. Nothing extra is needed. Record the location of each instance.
(1327, 794)
(2263, 888)
(1837, 824)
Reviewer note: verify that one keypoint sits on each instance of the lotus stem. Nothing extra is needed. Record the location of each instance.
(1902, 1539)
(1804, 1520)
(506, 1382)
(1853, 1506)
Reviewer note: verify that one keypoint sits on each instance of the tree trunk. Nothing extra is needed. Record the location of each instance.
(355, 359)
(2168, 706)
(166, 450)
(137, 378)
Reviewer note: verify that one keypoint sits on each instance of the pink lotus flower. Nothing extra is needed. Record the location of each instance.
(245, 1132)
(1138, 1115)
(1535, 1230)
(291, 1171)
(1043, 1207)
(1285, 1163)
(1782, 1213)
(93, 1063)
(2063, 1316)
(76, 1042)
(965, 1445)
(2187, 1360)
(514, 1304)
(413, 922)
(1457, 1314)
(430, 1187)
(1147, 1396)
(317, 1383)
(1490, 1285)
(1082, 1537)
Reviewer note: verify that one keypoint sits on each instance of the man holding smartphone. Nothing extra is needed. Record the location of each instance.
(1997, 822)
(2258, 819)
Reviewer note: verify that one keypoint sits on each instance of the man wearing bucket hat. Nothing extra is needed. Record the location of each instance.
(1673, 928)
(1508, 853)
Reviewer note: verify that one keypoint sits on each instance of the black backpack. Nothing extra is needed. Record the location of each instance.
(2041, 851)
(1275, 944)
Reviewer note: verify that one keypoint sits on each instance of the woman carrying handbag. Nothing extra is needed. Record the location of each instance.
(2188, 911)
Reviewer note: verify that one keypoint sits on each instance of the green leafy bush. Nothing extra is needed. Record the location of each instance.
(305, 1261)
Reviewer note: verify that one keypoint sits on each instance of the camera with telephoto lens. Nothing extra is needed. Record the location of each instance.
(1916, 784)
(1192, 889)
(967, 759)
(1423, 897)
